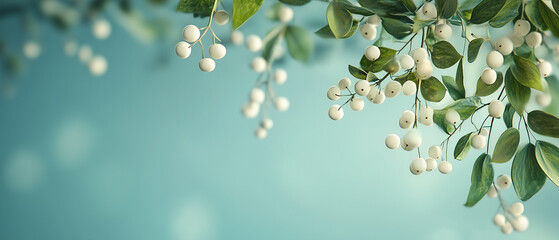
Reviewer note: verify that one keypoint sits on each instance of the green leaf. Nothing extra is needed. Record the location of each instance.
(339, 19)
(299, 43)
(550, 18)
(506, 14)
(468, 4)
(272, 39)
(453, 91)
(446, 8)
(547, 155)
(555, 5)
(527, 73)
(534, 16)
(371, 77)
(398, 26)
(392, 66)
(386, 55)
(407, 76)
(508, 115)
(243, 10)
(482, 177)
(432, 89)
(200, 7)
(462, 147)
(473, 49)
(517, 94)
(465, 108)
(460, 78)
(544, 123)
(419, 23)
(295, 2)
(385, 7)
(325, 31)
(410, 5)
(444, 55)
(345, 4)
(506, 146)
(357, 72)
(484, 89)
(553, 84)
(486, 10)
(527, 176)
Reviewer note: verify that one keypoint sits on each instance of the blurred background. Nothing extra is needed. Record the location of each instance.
(150, 147)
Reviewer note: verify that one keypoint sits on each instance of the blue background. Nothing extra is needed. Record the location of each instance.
(163, 152)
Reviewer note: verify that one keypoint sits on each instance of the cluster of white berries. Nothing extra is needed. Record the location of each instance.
(97, 64)
(191, 35)
(369, 29)
(511, 218)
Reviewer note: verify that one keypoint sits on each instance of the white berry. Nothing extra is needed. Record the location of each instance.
(336, 112)
(409, 88)
(207, 64)
(372, 53)
(435, 152)
(521, 28)
(217, 51)
(418, 165)
(257, 95)
(280, 76)
(504, 181)
(484, 132)
(517, 41)
(379, 98)
(333, 93)
(356, 104)
(373, 19)
(545, 68)
(373, 92)
(258, 64)
(496, 108)
(260, 133)
(368, 31)
(479, 141)
(504, 45)
(281, 104)
(445, 167)
(267, 123)
(488, 76)
(237, 37)
(517, 209)
(431, 164)
(507, 228)
(452, 116)
(182, 49)
(31, 49)
(424, 69)
(253, 43)
(98, 65)
(392, 89)
(251, 110)
(443, 31)
(425, 116)
(344, 83)
(406, 62)
(520, 223)
(392, 141)
(407, 119)
(499, 219)
(101, 29)
(362, 87)
(221, 17)
(429, 10)
(191, 33)
(533, 39)
(419, 54)
(285, 14)
(543, 99)
(492, 192)
(411, 141)
(494, 59)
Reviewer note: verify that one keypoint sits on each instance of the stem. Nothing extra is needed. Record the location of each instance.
(407, 42)
(207, 27)
(489, 135)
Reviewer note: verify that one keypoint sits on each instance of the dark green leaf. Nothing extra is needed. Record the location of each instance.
(462, 147)
(391, 66)
(468, 4)
(473, 49)
(419, 23)
(339, 19)
(201, 7)
(444, 55)
(243, 10)
(273, 38)
(453, 91)
(371, 77)
(446, 8)
(432, 89)
(408, 76)
(555, 5)
(465, 107)
(484, 89)
(295, 2)
(486, 10)
(517, 94)
(527, 73)
(547, 155)
(506, 146)
(544, 123)
(460, 78)
(553, 84)
(482, 177)
(325, 31)
(506, 14)
(410, 5)
(527, 176)
(508, 115)
(398, 26)
(385, 7)
(357, 72)
(534, 16)
(345, 4)
(299, 43)
(386, 55)
(550, 18)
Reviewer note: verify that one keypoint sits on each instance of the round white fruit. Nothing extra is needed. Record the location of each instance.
(419, 54)
(507, 228)
(373, 92)
(431, 164)
(494, 59)
(407, 119)
(372, 53)
(182, 49)
(257, 95)
(424, 69)
(237, 37)
(452, 116)
(356, 104)
(281, 104)
(543, 99)
(374, 19)
(285, 14)
(504, 45)
(336, 112)
(499, 219)
(101, 29)
(253, 43)
(392, 89)
(545, 68)
(258, 64)
(333, 93)
(406, 62)
(520, 223)
(191, 33)
(504, 181)
(411, 141)
(425, 116)
(280, 76)
(488, 76)
(517, 41)
(251, 110)
(517, 209)
(98, 65)
(267, 123)
(368, 31)
(443, 31)
(221, 17)
(533, 39)
(217, 51)
(379, 98)
(484, 132)
(409, 88)
(521, 28)
(362, 87)
(479, 141)
(31, 49)
(445, 167)
(344, 83)
(260, 133)
(492, 192)
(206, 64)
(435, 152)
(496, 108)
(429, 10)
(392, 141)
(418, 165)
